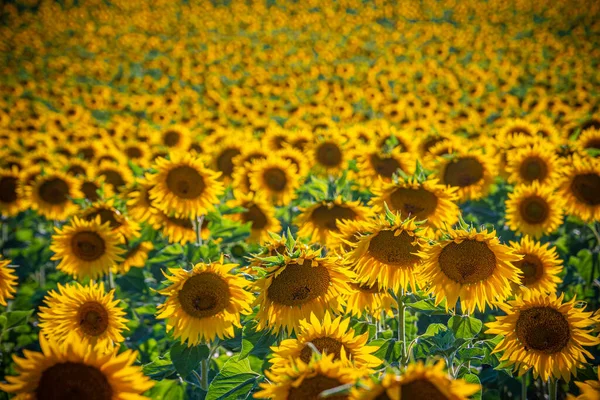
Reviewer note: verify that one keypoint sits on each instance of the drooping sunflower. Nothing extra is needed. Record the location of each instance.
(51, 195)
(76, 370)
(276, 178)
(124, 227)
(306, 381)
(204, 303)
(590, 390)
(580, 189)
(543, 333)
(418, 381)
(536, 162)
(470, 265)
(424, 200)
(139, 203)
(258, 212)
(8, 282)
(319, 220)
(83, 313)
(135, 256)
(86, 248)
(540, 265)
(177, 230)
(184, 187)
(375, 165)
(330, 336)
(534, 210)
(299, 284)
(12, 200)
(385, 253)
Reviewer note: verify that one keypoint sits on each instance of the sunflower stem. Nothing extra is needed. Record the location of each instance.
(552, 389)
(198, 225)
(204, 374)
(401, 325)
(111, 280)
(524, 386)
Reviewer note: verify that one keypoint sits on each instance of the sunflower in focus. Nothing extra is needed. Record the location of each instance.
(136, 256)
(301, 283)
(543, 333)
(330, 336)
(470, 265)
(540, 265)
(51, 195)
(11, 200)
(204, 303)
(8, 282)
(370, 300)
(421, 199)
(184, 187)
(580, 189)
(86, 248)
(349, 232)
(534, 210)
(276, 178)
(77, 370)
(83, 313)
(590, 390)
(307, 381)
(537, 162)
(177, 230)
(259, 213)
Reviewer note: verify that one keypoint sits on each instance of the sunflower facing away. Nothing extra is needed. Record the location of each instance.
(299, 285)
(306, 381)
(204, 303)
(83, 313)
(329, 336)
(8, 282)
(86, 248)
(11, 200)
(543, 333)
(580, 189)
(540, 265)
(418, 381)
(184, 187)
(427, 200)
(276, 178)
(534, 210)
(77, 370)
(470, 265)
(51, 195)
(259, 213)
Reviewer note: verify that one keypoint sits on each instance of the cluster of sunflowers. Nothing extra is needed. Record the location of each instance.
(322, 184)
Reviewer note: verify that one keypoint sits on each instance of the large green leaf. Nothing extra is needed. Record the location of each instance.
(186, 359)
(235, 379)
(14, 319)
(464, 327)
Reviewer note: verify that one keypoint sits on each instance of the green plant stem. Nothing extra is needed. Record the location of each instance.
(204, 374)
(552, 389)
(524, 386)
(402, 325)
(198, 225)
(111, 280)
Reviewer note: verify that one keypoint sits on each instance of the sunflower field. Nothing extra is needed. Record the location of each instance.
(282, 199)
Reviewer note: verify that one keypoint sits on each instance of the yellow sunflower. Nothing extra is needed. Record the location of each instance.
(534, 210)
(385, 253)
(580, 189)
(320, 220)
(51, 195)
(537, 162)
(543, 333)
(125, 228)
(299, 284)
(375, 165)
(258, 212)
(77, 370)
(276, 178)
(91, 184)
(329, 336)
(424, 200)
(297, 158)
(348, 233)
(369, 300)
(175, 137)
(177, 230)
(136, 257)
(471, 265)
(328, 152)
(224, 152)
(590, 390)
(515, 129)
(204, 303)
(307, 381)
(540, 265)
(139, 203)
(417, 381)
(8, 282)
(83, 313)
(86, 248)
(183, 187)
(589, 140)
(272, 246)
(12, 200)
(117, 174)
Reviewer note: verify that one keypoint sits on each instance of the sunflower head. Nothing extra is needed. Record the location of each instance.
(540, 265)
(12, 200)
(580, 188)
(276, 178)
(536, 162)
(8, 282)
(135, 256)
(51, 195)
(259, 213)
(125, 228)
(471, 172)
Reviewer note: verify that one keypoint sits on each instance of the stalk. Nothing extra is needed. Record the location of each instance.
(552, 388)
(402, 325)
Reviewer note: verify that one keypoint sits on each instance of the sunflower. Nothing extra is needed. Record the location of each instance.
(589, 140)
(8, 282)
(542, 332)
(424, 200)
(306, 381)
(348, 233)
(175, 137)
(274, 245)
(276, 178)
(90, 185)
(385, 253)
(540, 265)
(139, 203)
(297, 158)
(472, 172)
(320, 220)
(118, 175)
(77, 370)
(204, 303)
(328, 153)
(184, 187)
(224, 152)
(369, 300)
(259, 213)
(11, 199)
(514, 129)
(125, 228)
(83, 313)
(177, 230)
(535, 162)
(580, 189)
(86, 248)
(417, 381)
(51, 195)
(375, 165)
(534, 210)
(590, 390)
(136, 256)
(299, 284)
(471, 265)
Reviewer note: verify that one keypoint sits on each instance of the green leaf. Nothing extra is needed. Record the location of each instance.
(256, 343)
(474, 379)
(235, 379)
(464, 327)
(15, 319)
(159, 369)
(186, 359)
(167, 389)
(433, 329)
(426, 307)
(389, 350)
